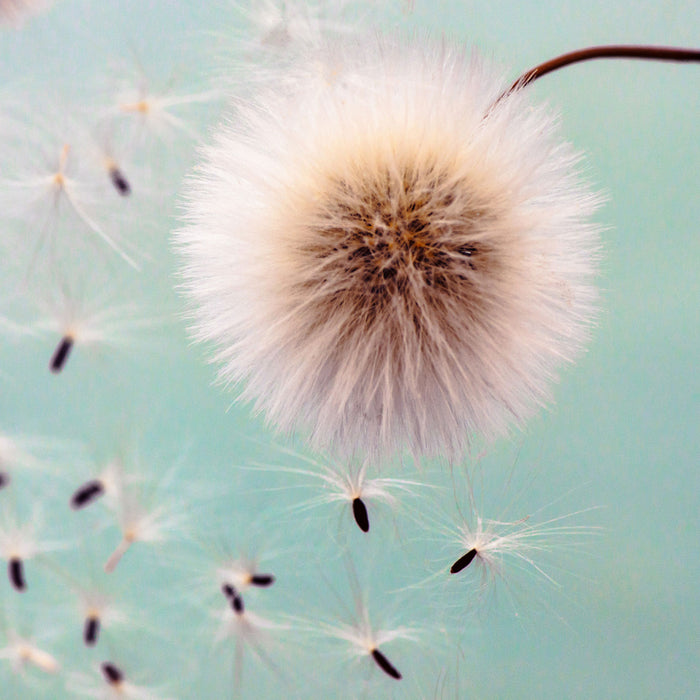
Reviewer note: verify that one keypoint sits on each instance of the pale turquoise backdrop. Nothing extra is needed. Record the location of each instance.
(623, 438)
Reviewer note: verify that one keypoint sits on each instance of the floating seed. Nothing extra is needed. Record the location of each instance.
(237, 605)
(262, 580)
(4, 479)
(61, 353)
(121, 184)
(385, 664)
(112, 674)
(86, 494)
(91, 631)
(359, 510)
(463, 562)
(15, 571)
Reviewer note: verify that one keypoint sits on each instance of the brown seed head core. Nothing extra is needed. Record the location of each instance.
(406, 235)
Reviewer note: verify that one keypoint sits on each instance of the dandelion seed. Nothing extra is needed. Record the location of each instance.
(149, 113)
(88, 493)
(490, 542)
(112, 685)
(108, 484)
(110, 155)
(15, 572)
(138, 523)
(96, 609)
(60, 356)
(242, 572)
(18, 545)
(492, 551)
(112, 674)
(86, 320)
(4, 479)
(463, 562)
(363, 639)
(348, 484)
(53, 181)
(385, 664)
(359, 511)
(121, 184)
(394, 264)
(234, 598)
(262, 580)
(91, 630)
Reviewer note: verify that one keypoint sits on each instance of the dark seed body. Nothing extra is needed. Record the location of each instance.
(4, 479)
(262, 580)
(463, 562)
(359, 511)
(15, 571)
(60, 356)
(385, 664)
(112, 674)
(91, 631)
(237, 604)
(233, 597)
(121, 184)
(86, 494)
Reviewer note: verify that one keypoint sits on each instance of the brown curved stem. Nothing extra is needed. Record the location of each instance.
(652, 53)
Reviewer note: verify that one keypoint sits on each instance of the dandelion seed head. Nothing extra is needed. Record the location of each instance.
(393, 264)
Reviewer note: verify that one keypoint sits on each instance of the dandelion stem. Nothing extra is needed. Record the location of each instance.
(653, 53)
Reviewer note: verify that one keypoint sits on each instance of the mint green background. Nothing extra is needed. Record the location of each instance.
(624, 433)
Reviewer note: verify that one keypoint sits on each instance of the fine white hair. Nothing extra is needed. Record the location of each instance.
(385, 255)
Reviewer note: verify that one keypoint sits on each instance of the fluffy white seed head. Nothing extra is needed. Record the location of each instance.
(391, 262)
